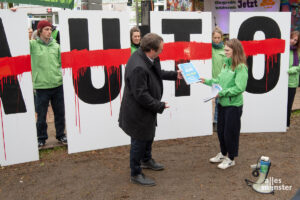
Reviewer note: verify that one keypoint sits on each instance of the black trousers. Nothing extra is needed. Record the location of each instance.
(56, 97)
(229, 126)
(139, 151)
(291, 97)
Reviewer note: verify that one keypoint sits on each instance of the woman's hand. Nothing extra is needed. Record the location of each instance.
(202, 80)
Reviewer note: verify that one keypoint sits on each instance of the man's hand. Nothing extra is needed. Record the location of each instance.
(179, 75)
(166, 105)
(13, 9)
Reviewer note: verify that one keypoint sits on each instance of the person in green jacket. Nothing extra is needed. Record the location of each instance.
(293, 71)
(135, 38)
(218, 57)
(47, 82)
(233, 80)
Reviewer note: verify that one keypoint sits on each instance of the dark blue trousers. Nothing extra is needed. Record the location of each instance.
(139, 151)
(56, 97)
(229, 126)
(291, 97)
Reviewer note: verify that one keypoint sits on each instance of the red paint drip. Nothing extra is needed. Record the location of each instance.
(119, 78)
(109, 72)
(268, 57)
(76, 75)
(4, 148)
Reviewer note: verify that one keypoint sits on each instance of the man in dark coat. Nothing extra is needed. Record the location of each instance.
(141, 102)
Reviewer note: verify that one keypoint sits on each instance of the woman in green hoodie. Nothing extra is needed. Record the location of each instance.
(233, 80)
(218, 57)
(293, 72)
(135, 38)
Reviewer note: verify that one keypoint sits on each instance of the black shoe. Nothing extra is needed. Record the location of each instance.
(63, 140)
(142, 180)
(151, 164)
(41, 144)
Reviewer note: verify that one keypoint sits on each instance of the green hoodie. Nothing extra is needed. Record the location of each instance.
(45, 64)
(218, 57)
(293, 72)
(233, 84)
(133, 48)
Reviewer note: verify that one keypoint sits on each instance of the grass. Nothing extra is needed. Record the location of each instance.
(296, 113)
(45, 152)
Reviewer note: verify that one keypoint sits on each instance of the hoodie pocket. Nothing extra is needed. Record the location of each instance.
(34, 77)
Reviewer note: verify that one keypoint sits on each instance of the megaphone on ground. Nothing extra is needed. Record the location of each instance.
(261, 170)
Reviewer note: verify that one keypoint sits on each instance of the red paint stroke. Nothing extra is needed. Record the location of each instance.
(186, 51)
(76, 59)
(269, 47)
(12, 66)
(3, 131)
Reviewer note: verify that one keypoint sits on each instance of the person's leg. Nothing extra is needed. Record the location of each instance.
(148, 151)
(291, 97)
(137, 151)
(42, 102)
(216, 110)
(34, 100)
(221, 128)
(232, 130)
(147, 161)
(58, 106)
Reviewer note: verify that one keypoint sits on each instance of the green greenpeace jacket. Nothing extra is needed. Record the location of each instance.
(45, 64)
(54, 34)
(218, 58)
(293, 72)
(233, 84)
(133, 48)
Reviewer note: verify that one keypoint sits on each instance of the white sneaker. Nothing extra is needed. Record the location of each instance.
(226, 163)
(218, 158)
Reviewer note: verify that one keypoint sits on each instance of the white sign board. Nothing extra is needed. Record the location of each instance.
(92, 116)
(188, 115)
(18, 141)
(265, 102)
